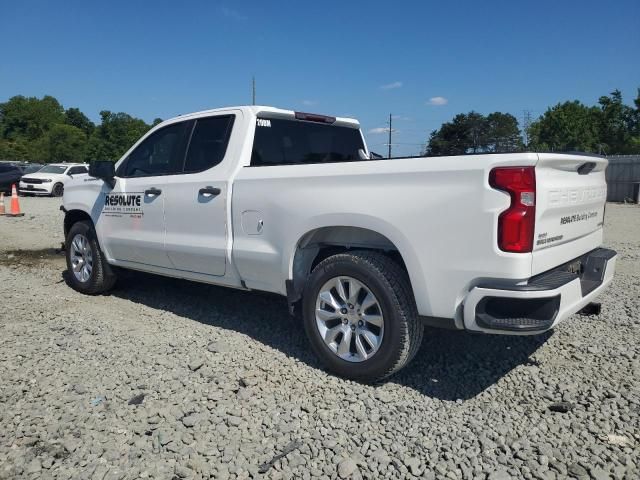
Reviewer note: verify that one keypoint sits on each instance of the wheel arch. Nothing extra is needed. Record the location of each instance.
(74, 216)
(322, 242)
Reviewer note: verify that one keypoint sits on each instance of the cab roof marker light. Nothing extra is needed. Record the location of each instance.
(314, 117)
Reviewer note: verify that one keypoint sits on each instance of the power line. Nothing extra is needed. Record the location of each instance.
(390, 126)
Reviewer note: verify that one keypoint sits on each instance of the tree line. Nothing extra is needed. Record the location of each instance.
(610, 127)
(42, 130)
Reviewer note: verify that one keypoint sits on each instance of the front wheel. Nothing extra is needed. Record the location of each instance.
(58, 190)
(360, 315)
(87, 269)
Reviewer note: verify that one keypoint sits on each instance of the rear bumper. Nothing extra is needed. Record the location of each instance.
(544, 301)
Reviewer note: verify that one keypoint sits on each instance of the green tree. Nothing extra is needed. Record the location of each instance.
(66, 143)
(568, 126)
(475, 133)
(635, 126)
(75, 118)
(114, 136)
(618, 124)
(457, 137)
(14, 149)
(29, 117)
(503, 134)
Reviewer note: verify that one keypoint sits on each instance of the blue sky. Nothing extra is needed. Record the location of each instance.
(423, 61)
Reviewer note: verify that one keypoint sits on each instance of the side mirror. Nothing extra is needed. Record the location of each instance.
(104, 170)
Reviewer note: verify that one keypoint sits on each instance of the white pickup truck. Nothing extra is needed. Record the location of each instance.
(367, 250)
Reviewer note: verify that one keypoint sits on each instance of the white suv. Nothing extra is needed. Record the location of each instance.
(50, 179)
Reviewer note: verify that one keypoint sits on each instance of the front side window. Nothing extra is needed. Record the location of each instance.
(208, 143)
(161, 153)
(286, 142)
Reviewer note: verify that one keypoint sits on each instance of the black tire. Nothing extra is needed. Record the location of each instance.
(102, 277)
(57, 190)
(390, 285)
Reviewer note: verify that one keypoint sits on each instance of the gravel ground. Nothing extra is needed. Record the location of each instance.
(170, 379)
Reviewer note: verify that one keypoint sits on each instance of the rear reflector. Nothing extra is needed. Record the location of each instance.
(313, 117)
(516, 224)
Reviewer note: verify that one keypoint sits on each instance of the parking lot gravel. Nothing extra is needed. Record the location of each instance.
(170, 379)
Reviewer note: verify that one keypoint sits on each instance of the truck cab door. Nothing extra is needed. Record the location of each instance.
(196, 201)
(131, 223)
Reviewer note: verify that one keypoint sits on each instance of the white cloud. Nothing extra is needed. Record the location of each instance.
(231, 13)
(391, 86)
(379, 130)
(309, 103)
(437, 101)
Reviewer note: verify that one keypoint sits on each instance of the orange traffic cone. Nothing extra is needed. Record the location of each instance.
(2, 212)
(15, 203)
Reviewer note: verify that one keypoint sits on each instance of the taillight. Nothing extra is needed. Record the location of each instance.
(517, 223)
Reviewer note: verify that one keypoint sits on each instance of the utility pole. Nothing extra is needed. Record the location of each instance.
(526, 124)
(254, 90)
(389, 156)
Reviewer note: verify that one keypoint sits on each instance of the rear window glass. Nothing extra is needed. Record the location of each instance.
(288, 142)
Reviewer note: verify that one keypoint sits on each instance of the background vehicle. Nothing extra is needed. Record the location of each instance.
(28, 168)
(51, 179)
(10, 173)
(367, 250)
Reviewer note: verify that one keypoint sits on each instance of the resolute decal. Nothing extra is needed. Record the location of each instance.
(119, 204)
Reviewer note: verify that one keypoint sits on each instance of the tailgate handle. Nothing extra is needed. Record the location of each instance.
(586, 168)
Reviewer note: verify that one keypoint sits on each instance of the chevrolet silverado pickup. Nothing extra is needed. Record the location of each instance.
(366, 250)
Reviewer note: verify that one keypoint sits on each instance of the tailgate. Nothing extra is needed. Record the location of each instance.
(571, 192)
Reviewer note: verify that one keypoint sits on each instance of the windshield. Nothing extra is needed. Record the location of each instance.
(53, 169)
(32, 168)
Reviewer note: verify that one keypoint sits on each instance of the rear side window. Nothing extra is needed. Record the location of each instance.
(77, 170)
(288, 142)
(208, 143)
(162, 153)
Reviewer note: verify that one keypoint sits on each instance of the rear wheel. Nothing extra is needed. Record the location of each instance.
(360, 316)
(58, 190)
(87, 269)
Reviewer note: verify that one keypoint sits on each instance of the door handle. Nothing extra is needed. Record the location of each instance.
(153, 192)
(209, 191)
